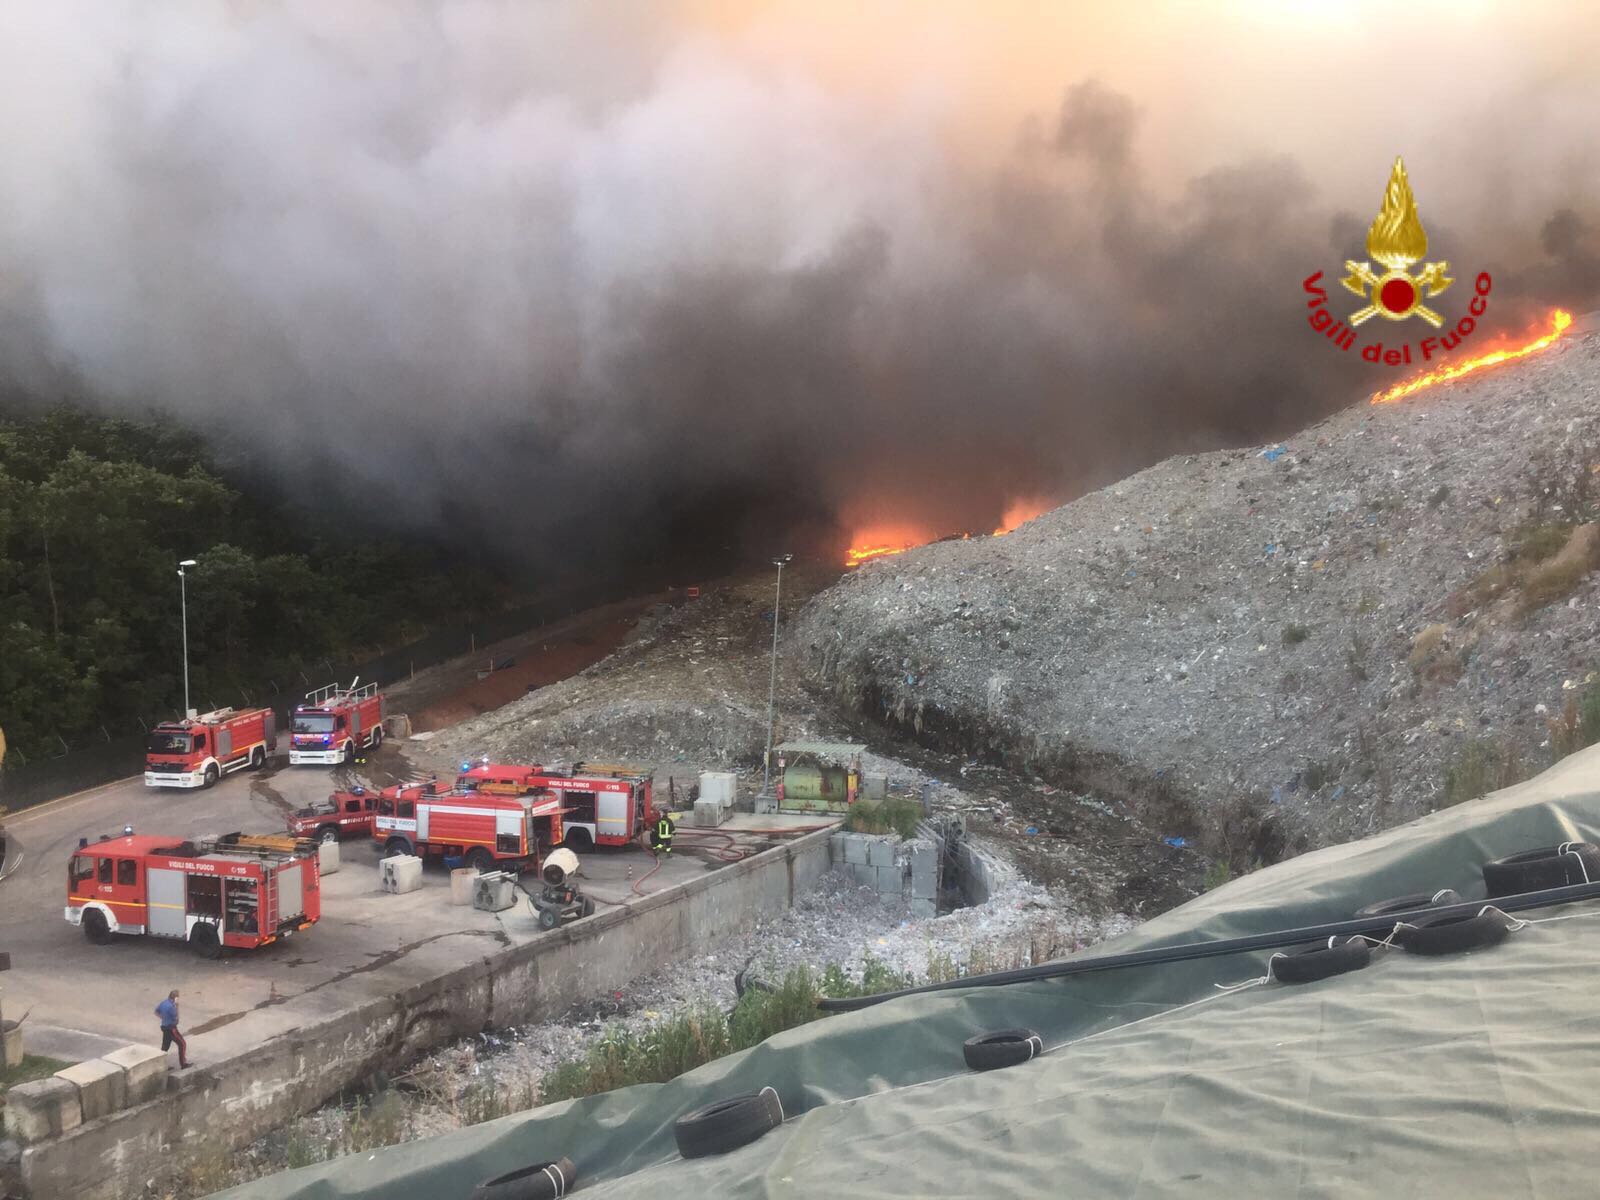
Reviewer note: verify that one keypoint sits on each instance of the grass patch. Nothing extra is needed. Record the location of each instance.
(1318, 775)
(896, 814)
(1481, 766)
(1221, 871)
(32, 1066)
(1355, 658)
(1578, 726)
(1293, 635)
(1556, 576)
(696, 1036)
(1433, 658)
(1545, 564)
(1534, 542)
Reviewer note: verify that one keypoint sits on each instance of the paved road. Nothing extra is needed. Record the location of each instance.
(85, 998)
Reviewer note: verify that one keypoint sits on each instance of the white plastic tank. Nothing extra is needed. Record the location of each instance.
(461, 881)
(719, 786)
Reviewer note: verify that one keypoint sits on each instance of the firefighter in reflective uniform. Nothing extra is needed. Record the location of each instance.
(661, 834)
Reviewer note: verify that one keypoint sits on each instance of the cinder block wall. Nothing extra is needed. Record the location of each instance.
(901, 872)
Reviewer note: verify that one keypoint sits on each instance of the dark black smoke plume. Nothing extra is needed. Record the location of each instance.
(584, 282)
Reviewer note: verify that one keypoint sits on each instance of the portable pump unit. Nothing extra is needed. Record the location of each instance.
(559, 898)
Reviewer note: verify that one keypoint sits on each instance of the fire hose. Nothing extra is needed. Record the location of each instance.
(1379, 927)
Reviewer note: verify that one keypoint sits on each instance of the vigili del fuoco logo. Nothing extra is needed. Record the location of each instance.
(1396, 241)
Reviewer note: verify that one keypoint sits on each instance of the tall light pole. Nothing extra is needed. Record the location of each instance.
(183, 599)
(772, 685)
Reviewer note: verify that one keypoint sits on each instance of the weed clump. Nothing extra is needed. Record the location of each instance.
(1481, 766)
(895, 814)
(696, 1036)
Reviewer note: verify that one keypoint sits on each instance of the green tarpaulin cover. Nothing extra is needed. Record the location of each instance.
(1474, 1074)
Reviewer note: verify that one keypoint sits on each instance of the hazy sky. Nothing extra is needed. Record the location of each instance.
(542, 271)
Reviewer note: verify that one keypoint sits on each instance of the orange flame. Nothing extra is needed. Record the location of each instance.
(1020, 512)
(883, 539)
(857, 555)
(1559, 321)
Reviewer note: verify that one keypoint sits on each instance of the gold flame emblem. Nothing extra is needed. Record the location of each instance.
(1397, 240)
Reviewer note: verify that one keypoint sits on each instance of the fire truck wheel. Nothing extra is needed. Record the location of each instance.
(728, 1124)
(548, 918)
(480, 860)
(377, 736)
(542, 1181)
(258, 758)
(349, 753)
(328, 833)
(95, 927)
(211, 776)
(578, 841)
(395, 847)
(204, 939)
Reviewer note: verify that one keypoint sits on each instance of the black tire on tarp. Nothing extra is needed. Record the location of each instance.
(727, 1124)
(1450, 935)
(1546, 867)
(1319, 961)
(541, 1181)
(1002, 1048)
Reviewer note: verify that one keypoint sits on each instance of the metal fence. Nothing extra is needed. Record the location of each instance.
(118, 754)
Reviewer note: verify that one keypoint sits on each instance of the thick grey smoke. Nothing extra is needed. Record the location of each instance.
(553, 276)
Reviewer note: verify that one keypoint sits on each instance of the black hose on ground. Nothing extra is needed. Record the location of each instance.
(1374, 927)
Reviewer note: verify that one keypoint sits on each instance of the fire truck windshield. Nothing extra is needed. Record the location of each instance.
(313, 722)
(168, 743)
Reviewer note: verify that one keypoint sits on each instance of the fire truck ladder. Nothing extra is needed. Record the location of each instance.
(336, 692)
(265, 843)
(615, 770)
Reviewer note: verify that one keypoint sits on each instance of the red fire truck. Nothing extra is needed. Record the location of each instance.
(196, 751)
(486, 829)
(233, 891)
(341, 815)
(335, 722)
(602, 805)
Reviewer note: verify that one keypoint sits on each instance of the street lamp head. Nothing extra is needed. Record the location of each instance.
(781, 560)
(188, 562)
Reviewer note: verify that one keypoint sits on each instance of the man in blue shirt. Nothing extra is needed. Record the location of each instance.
(167, 1011)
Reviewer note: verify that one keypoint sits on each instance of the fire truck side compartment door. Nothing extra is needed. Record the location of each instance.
(291, 893)
(167, 903)
(224, 742)
(270, 730)
(355, 721)
(612, 819)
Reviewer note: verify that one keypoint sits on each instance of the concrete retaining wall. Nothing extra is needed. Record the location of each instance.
(237, 1101)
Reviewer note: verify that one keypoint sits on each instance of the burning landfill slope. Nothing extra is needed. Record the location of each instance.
(1313, 631)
